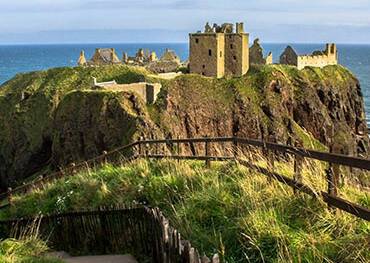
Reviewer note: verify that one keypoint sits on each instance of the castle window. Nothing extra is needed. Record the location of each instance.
(220, 54)
(204, 66)
(210, 52)
(197, 40)
(231, 46)
(235, 58)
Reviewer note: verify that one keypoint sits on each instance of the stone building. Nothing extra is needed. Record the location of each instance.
(219, 51)
(170, 55)
(256, 54)
(319, 58)
(146, 91)
(169, 62)
(102, 56)
(141, 58)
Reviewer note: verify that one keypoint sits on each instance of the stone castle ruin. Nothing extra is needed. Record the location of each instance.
(219, 51)
(146, 91)
(169, 61)
(256, 54)
(320, 59)
(102, 56)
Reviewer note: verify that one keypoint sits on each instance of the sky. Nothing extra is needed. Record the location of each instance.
(105, 21)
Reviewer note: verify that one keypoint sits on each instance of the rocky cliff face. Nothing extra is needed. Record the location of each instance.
(47, 119)
(321, 107)
(53, 118)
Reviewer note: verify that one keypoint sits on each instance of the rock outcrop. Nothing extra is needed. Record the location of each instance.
(52, 118)
(321, 107)
(46, 119)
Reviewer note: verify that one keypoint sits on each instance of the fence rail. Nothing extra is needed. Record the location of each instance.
(141, 231)
(144, 149)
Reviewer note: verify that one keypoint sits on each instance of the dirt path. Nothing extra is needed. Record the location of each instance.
(102, 259)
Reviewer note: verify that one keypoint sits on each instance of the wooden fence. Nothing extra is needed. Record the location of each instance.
(171, 148)
(141, 231)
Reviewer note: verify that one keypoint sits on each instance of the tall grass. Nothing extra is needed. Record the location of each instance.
(228, 209)
(27, 248)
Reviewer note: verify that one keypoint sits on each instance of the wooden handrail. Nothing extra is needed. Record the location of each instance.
(331, 158)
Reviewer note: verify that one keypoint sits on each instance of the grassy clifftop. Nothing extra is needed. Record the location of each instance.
(42, 114)
(29, 105)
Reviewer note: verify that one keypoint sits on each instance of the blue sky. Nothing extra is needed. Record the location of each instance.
(61, 21)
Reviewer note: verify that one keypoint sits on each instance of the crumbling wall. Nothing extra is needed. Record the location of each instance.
(319, 58)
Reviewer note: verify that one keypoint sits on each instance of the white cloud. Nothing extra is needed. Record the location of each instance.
(43, 15)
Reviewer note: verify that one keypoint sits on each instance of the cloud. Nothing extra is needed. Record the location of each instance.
(26, 16)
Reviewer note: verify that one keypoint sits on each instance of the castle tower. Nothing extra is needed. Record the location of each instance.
(331, 50)
(219, 51)
(237, 52)
(82, 59)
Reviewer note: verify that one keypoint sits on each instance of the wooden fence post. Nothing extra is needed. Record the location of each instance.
(73, 169)
(140, 147)
(178, 149)
(298, 163)
(105, 154)
(270, 163)
(332, 186)
(10, 196)
(336, 148)
(235, 147)
(207, 151)
(146, 152)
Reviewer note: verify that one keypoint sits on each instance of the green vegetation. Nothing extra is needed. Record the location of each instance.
(38, 109)
(29, 250)
(228, 209)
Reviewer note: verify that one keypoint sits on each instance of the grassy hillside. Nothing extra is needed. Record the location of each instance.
(51, 118)
(228, 209)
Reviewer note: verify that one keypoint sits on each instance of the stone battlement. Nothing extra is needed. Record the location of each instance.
(319, 58)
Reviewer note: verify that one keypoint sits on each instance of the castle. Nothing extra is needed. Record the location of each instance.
(169, 61)
(219, 51)
(319, 58)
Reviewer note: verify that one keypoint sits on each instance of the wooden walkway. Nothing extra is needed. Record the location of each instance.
(102, 259)
(94, 259)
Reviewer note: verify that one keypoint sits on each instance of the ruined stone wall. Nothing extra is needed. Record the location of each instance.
(147, 91)
(269, 59)
(316, 61)
(236, 54)
(207, 54)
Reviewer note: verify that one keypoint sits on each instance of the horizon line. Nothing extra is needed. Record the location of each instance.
(166, 42)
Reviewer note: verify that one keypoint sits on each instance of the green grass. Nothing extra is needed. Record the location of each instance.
(29, 250)
(228, 209)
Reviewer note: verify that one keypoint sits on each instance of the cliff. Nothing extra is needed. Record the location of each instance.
(320, 107)
(49, 118)
(52, 118)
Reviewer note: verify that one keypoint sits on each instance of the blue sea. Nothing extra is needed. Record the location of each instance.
(24, 58)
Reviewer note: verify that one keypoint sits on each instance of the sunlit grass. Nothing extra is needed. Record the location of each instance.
(228, 209)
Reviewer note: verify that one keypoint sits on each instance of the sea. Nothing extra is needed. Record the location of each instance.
(24, 58)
